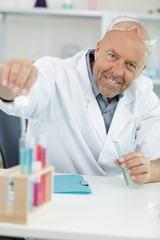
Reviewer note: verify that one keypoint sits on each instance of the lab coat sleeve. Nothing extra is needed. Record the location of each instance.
(148, 129)
(42, 92)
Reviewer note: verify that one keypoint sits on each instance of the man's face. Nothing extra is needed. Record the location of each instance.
(119, 58)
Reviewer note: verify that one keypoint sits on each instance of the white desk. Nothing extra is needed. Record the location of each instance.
(112, 211)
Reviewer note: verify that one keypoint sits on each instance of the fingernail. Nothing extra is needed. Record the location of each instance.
(123, 165)
(24, 91)
(4, 82)
(121, 159)
(133, 177)
(16, 89)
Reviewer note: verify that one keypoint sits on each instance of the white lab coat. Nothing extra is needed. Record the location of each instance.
(62, 104)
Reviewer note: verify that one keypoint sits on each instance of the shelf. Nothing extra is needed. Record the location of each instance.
(53, 12)
(150, 17)
(72, 13)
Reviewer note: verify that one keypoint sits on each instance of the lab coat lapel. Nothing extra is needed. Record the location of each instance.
(95, 116)
(122, 114)
(92, 107)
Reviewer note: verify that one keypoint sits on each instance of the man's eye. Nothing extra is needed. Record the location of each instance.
(111, 56)
(131, 66)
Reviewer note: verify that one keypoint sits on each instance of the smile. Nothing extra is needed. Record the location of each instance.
(112, 82)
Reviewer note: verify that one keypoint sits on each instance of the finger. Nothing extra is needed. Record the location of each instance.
(117, 162)
(130, 155)
(5, 75)
(14, 72)
(135, 162)
(140, 178)
(139, 170)
(23, 75)
(29, 81)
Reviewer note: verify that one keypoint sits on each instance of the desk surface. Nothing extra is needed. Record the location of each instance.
(113, 211)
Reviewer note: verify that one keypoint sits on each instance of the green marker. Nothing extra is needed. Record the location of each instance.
(119, 154)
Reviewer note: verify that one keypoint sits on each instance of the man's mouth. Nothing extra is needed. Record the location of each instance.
(113, 82)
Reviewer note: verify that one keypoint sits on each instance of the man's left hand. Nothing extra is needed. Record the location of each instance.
(138, 166)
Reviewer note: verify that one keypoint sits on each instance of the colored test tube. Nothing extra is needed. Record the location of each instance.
(119, 154)
(22, 154)
(43, 160)
(36, 188)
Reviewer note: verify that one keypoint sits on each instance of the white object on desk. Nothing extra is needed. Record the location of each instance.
(113, 211)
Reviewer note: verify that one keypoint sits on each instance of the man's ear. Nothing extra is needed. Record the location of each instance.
(97, 49)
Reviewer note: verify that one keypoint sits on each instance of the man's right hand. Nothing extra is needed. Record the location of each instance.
(17, 76)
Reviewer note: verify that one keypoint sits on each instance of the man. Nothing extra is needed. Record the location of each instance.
(82, 101)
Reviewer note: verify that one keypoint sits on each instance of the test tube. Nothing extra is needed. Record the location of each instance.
(42, 142)
(36, 186)
(21, 102)
(30, 153)
(119, 154)
(22, 154)
(43, 149)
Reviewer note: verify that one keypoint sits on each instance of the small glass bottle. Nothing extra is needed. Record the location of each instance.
(67, 4)
(92, 4)
(40, 3)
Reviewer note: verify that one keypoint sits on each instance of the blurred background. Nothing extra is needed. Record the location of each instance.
(63, 27)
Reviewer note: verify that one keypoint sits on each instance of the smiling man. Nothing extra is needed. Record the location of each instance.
(80, 102)
(118, 62)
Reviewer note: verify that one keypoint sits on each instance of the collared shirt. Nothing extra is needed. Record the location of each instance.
(107, 108)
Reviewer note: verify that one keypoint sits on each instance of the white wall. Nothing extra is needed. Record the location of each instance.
(34, 37)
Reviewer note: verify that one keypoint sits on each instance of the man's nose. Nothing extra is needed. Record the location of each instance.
(118, 69)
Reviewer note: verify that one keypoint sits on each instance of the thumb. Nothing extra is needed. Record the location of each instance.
(116, 162)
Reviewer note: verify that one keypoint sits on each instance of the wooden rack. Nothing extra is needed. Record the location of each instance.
(19, 210)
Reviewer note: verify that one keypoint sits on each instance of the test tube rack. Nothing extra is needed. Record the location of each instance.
(18, 211)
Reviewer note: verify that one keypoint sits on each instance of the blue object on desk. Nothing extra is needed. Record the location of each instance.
(71, 184)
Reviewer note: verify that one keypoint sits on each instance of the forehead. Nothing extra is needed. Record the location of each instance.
(125, 43)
